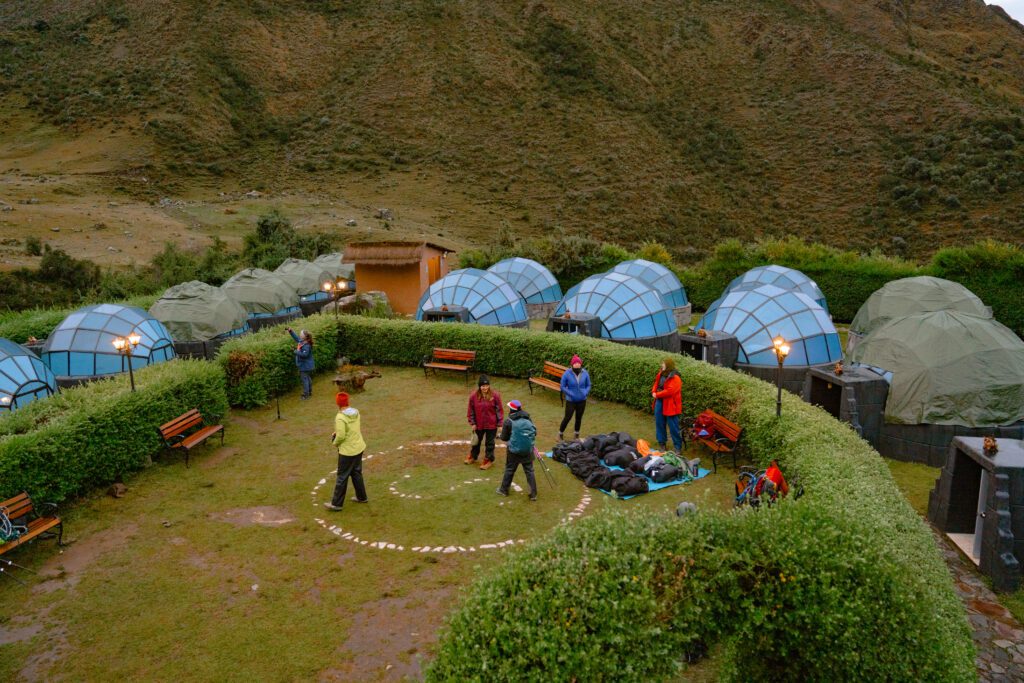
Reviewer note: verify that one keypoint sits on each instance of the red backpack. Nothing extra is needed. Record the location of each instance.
(704, 426)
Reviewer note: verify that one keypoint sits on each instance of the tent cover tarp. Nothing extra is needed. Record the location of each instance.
(305, 277)
(948, 368)
(912, 295)
(196, 311)
(260, 291)
(333, 265)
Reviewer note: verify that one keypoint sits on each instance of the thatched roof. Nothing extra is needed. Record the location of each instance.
(388, 253)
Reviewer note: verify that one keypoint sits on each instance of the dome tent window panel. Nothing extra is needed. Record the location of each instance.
(644, 327)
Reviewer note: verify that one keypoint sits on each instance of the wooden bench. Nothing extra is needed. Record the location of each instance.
(174, 432)
(23, 512)
(725, 440)
(455, 360)
(541, 378)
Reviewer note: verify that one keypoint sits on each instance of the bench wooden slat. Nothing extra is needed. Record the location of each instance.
(547, 383)
(22, 506)
(549, 369)
(455, 360)
(725, 429)
(174, 432)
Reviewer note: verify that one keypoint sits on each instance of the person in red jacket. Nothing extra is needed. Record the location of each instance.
(485, 415)
(667, 393)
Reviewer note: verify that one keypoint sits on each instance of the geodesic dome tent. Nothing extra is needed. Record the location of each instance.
(780, 276)
(82, 346)
(948, 368)
(629, 310)
(486, 298)
(196, 311)
(664, 281)
(757, 315)
(533, 281)
(266, 297)
(910, 296)
(23, 377)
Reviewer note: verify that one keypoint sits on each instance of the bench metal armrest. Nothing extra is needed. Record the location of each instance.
(52, 507)
(426, 359)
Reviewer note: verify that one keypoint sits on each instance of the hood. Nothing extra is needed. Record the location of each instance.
(518, 415)
(349, 414)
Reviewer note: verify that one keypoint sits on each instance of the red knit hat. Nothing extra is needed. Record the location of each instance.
(341, 399)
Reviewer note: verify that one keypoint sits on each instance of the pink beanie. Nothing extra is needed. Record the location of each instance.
(576, 359)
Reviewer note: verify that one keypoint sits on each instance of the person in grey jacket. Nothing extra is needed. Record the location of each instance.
(304, 360)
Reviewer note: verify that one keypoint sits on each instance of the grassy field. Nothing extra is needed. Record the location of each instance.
(222, 571)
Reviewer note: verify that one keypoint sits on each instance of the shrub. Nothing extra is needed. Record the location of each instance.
(845, 583)
(993, 271)
(262, 365)
(39, 322)
(93, 434)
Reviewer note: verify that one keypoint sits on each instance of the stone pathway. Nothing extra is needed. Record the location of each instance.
(998, 636)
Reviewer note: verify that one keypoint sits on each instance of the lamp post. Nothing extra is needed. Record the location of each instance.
(126, 346)
(781, 351)
(332, 289)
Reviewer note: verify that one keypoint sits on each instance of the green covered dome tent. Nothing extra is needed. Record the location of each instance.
(910, 296)
(307, 279)
(199, 317)
(332, 264)
(948, 368)
(267, 298)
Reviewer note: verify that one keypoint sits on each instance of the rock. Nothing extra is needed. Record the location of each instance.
(6, 207)
(31, 200)
(253, 194)
(361, 302)
(54, 229)
(685, 508)
(384, 214)
(112, 204)
(230, 212)
(351, 222)
(113, 249)
(117, 490)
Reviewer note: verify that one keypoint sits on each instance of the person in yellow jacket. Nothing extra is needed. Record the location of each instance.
(349, 442)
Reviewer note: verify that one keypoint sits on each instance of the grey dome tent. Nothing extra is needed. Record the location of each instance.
(948, 368)
(267, 298)
(307, 279)
(909, 296)
(332, 263)
(199, 317)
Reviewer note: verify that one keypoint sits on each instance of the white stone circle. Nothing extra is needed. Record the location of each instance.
(429, 548)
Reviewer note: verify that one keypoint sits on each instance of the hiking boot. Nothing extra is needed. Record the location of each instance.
(332, 507)
(487, 465)
(661, 447)
(367, 500)
(533, 497)
(469, 460)
(576, 436)
(561, 437)
(500, 492)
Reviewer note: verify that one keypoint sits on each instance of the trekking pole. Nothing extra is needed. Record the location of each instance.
(4, 571)
(12, 564)
(544, 466)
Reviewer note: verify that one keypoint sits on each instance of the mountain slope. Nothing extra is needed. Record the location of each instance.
(895, 123)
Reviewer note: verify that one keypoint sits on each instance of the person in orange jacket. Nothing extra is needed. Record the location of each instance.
(667, 393)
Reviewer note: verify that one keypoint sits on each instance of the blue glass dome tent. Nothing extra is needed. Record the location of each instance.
(664, 281)
(756, 315)
(533, 281)
(628, 309)
(780, 276)
(82, 347)
(475, 296)
(23, 377)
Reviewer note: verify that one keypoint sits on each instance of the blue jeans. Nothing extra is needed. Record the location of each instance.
(660, 420)
(307, 383)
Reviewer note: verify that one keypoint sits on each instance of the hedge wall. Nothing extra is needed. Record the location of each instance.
(845, 584)
(90, 435)
(262, 365)
(39, 322)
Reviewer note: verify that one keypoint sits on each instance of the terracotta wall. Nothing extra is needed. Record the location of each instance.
(400, 283)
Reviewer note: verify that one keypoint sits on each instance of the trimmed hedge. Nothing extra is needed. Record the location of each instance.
(93, 434)
(262, 365)
(845, 584)
(39, 322)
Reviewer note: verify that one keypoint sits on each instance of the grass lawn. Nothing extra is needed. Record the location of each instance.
(222, 571)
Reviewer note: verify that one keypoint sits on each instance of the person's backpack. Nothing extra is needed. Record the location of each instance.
(522, 437)
(8, 530)
(704, 426)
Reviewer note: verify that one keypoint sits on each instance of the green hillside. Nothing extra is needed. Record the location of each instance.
(890, 124)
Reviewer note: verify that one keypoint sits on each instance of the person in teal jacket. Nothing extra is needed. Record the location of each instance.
(348, 439)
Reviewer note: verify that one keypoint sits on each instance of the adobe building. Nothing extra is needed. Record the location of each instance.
(402, 270)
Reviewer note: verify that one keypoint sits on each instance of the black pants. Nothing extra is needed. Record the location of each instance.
(349, 466)
(481, 436)
(512, 461)
(573, 407)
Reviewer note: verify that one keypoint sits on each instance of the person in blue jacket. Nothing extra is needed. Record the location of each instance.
(304, 360)
(575, 388)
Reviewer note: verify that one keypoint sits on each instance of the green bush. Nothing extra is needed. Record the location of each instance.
(93, 434)
(866, 594)
(993, 271)
(39, 322)
(262, 365)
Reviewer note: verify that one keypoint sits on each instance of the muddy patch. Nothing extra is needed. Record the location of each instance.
(246, 422)
(264, 515)
(218, 456)
(391, 638)
(65, 569)
(52, 647)
(436, 457)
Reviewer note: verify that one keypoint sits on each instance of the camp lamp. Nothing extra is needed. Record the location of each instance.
(5, 401)
(125, 346)
(782, 350)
